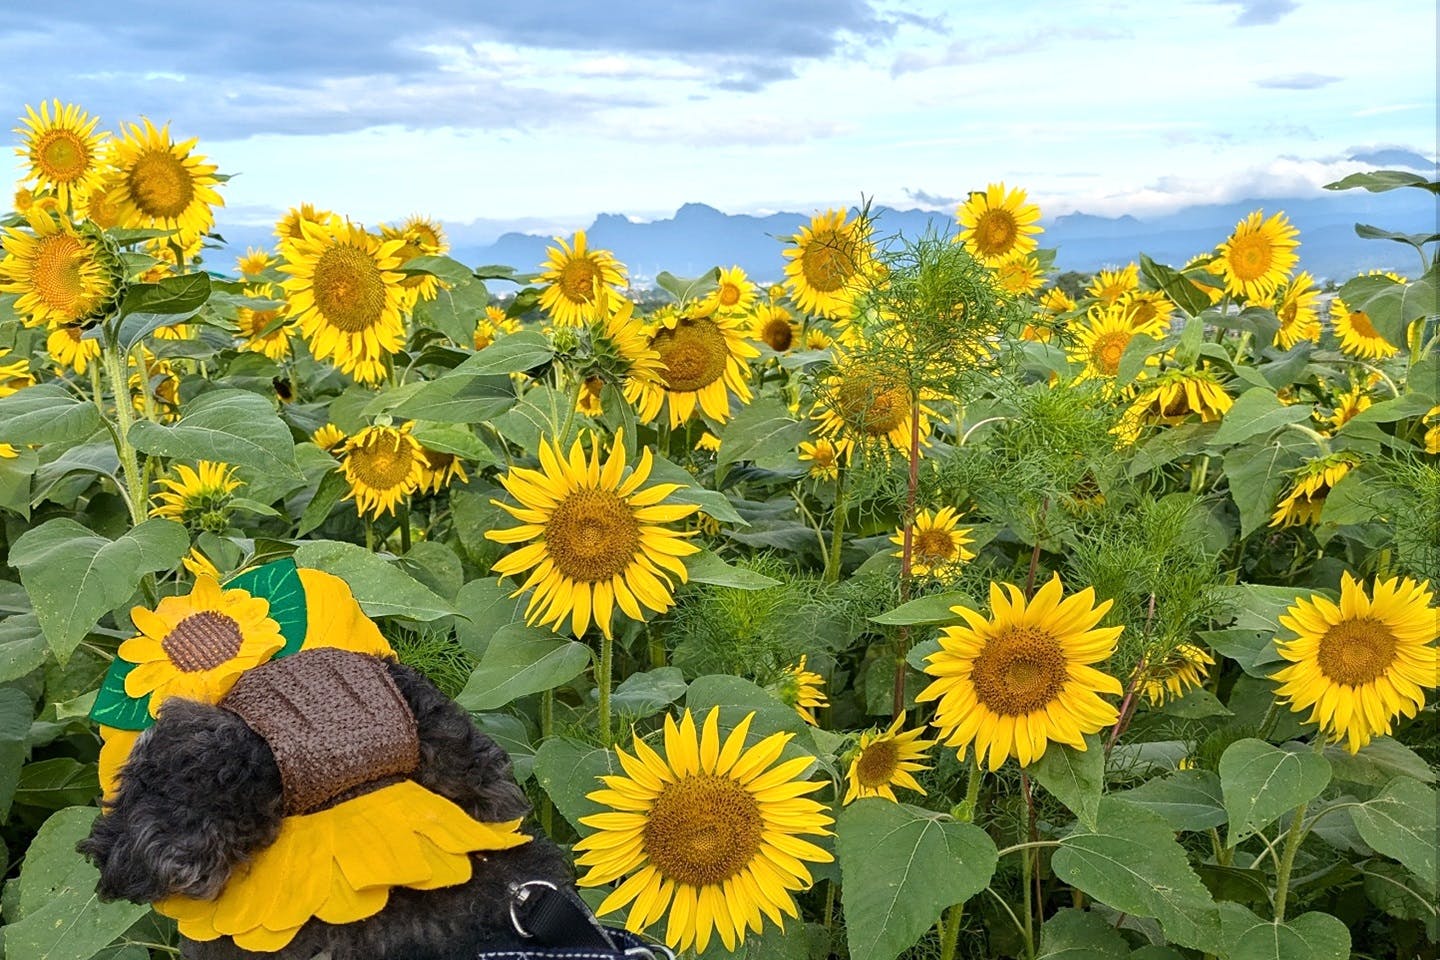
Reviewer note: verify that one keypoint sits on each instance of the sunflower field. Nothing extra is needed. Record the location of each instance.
(904, 604)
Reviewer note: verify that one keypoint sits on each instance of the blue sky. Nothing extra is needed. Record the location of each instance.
(539, 114)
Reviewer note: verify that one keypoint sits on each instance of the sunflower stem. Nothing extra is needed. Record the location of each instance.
(1035, 553)
(124, 418)
(1293, 839)
(907, 559)
(837, 533)
(950, 930)
(656, 645)
(1032, 855)
(405, 525)
(547, 728)
(1267, 724)
(602, 681)
(1028, 905)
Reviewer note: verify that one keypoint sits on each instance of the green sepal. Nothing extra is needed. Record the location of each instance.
(279, 583)
(114, 707)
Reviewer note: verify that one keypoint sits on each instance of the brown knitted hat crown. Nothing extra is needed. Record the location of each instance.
(333, 719)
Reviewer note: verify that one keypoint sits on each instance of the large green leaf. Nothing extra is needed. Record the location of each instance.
(16, 712)
(902, 866)
(450, 399)
(647, 693)
(926, 611)
(707, 567)
(736, 696)
(512, 353)
(1257, 411)
(57, 782)
(1378, 181)
(1176, 286)
(22, 646)
(1391, 305)
(1187, 799)
(150, 305)
(1257, 474)
(230, 426)
(763, 433)
(519, 661)
(1380, 761)
(456, 309)
(568, 771)
(710, 501)
(1080, 935)
(1310, 936)
(74, 576)
(486, 605)
(1400, 823)
(383, 589)
(1074, 777)
(1260, 783)
(1132, 863)
(46, 413)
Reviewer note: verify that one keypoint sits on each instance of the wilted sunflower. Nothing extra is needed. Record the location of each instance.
(1100, 342)
(1258, 256)
(288, 226)
(438, 469)
(598, 537)
(1359, 665)
(801, 688)
(774, 327)
(861, 403)
(345, 295)
(1347, 406)
(1295, 307)
(1180, 670)
(937, 543)
(1149, 311)
(996, 225)
(199, 498)
(69, 351)
(1180, 394)
(1358, 336)
(1108, 286)
(383, 465)
(162, 183)
(1019, 274)
(1013, 682)
(824, 456)
(710, 832)
(733, 292)
(328, 437)
(571, 275)
(197, 645)
(705, 360)
(1313, 482)
(62, 151)
(253, 263)
(58, 271)
(830, 260)
(1056, 301)
(263, 330)
(883, 761)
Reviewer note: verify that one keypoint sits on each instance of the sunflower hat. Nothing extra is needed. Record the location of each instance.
(291, 652)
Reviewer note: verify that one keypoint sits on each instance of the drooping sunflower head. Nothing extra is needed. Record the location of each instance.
(288, 226)
(593, 536)
(824, 457)
(866, 403)
(1347, 405)
(1357, 333)
(1296, 307)
(733, 293)
(63, 275)
(1013, 682)
(70, 351)
(264, 329)
(328, 438)
(15, 373)
(438, 468)
(200, 497)
(253, 263)
(774, 327)
(1359, 665)
(802, 689)
(831, 260)
(1100, 342)
(884, 760)
(163, 183)
(1149, 311)
(1257, 257)
(996, 224)
(704, 362)
(1056, 302)
(383, 465)
(571, 274)
(1019, 274)
(1178, 395)
(938, 544)
(61, 149)
(1108, 286)
(710, 831)
(1169, 677)
(1313, 481)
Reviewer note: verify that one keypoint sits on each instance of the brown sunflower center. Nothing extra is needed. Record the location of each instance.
(592, 536)
(877, 764)
(577, 279)
(872, 404)
(729, 294)
(253, 323)
(694, 353)
(382, 463)
(202, 641)
(1019, 671)
(62, 156)
(1107, 350)
(1355, 652)
(1250, 256)
(101, 208)
(829, 260)
(1289, 310)
(1360, 323)
(349, 289)
(160, 185)
(995, 232)
(56, 275)
(932, 546)
(703, 830)
(778, 334)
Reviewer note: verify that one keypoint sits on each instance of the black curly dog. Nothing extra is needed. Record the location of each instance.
(201, 794)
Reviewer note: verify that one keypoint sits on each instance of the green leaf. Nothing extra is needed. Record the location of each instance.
(1133, 864)
(60, 915)
(1310, 936)
(150, 305)
(645, 694)
(1170, 444)
(46, 413)
(383, 589)
(456, 309)
(57, 782)
(902, 866)
(1257, 475)
(16, 712)
(1389, 411)
(1196, 704)
(1378, 181)
(114, 707)
(512, 353)
(454, 439)
(74, 576)
(447, 269)
(1187, 799)
(1074, 777)
(519, 661)
(22, 646)
(1416, 240)
(450, 399)
(1177, 287)
(707, 567)
(230, 426)
(1380, 760)
(331, 490)
(1400, 823)
(1080, 935)
(1260, 783)
(926, 611)
(736, 697)
(486, 606)
(16, 472)
(567, 771)
(763, 433)
(1137, 351)
(1392, 305)
(279, 583)
(1257, 411)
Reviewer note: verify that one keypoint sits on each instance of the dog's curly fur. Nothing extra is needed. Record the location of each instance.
(201, 794)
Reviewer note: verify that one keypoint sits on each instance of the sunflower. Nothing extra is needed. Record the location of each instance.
(704, 357)
(774, 327)
(817, 339)
(1432, 433)
(830, 260)
(438, 469)
(162, 183)
(571, 275)
(1108, 286)
(1258, 256)
(328, 437)
(63, 151)
(345, 295)
(1011, 683)
(15, 373)
(57, 271)
(733, 292)
(263, 330)
(801, 688)
(1101, 341)
(1149, 311)
(492, 325)
(710, 831)
(25, 199)
(622, 347)
(1358, 336)
(419, 237)
(883, 761)
(598, 539)
(1347, 406)
(708, 442)
(288, 227)
(425, 233)
(255, 262)
(996, 225)
(869, 404)
(1019, 274)
(69, 350)
(1180, 394)
(198, 498)
(1359, 665)
(824, 456)
(197, 645)
(937, 543)
(1056, 301)
(1312, 483)
(1171, 676)
(383, 465)
(101, 205)
(1295, 308)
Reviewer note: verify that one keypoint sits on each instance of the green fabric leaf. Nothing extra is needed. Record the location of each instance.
(279, 583)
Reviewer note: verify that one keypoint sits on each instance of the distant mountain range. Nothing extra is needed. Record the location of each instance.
(699, 237)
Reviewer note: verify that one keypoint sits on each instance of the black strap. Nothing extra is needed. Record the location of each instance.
(551, 916)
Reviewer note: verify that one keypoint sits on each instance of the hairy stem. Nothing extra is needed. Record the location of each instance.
(602, 681)
(124, 418)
